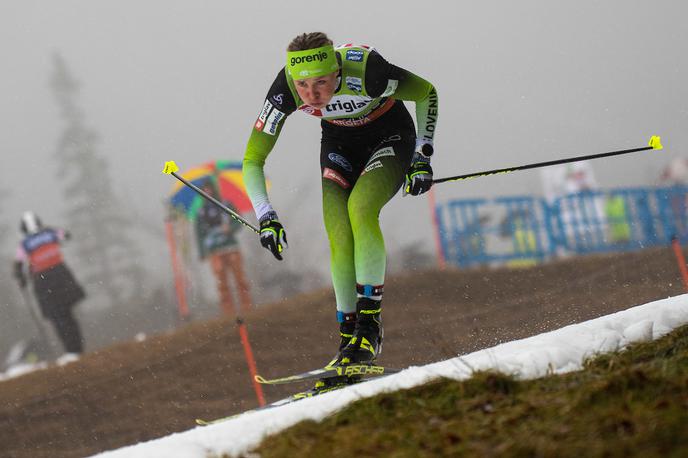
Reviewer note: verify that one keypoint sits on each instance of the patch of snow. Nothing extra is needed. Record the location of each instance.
(559, 351)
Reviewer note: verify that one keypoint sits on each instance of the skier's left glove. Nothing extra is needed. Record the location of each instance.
(272, 236)
(418, 178)
(19, 274)
(419, 175)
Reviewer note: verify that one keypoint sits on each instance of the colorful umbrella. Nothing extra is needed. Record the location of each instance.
(228, 179)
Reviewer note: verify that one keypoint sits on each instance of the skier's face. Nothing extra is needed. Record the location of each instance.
(317, 92)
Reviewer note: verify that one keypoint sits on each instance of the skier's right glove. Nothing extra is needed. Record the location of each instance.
(272, 236)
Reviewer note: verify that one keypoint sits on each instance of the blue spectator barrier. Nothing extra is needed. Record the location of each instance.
(525, 230)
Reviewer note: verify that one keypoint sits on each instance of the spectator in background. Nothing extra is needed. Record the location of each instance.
(572, 188)
(520, 226)
(617, 216)
(676, 174)
(215, 233)
(39, 259)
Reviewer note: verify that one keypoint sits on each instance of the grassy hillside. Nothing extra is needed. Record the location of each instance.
(136, 391)
(632, 403)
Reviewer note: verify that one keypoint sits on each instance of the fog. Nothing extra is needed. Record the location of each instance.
(518, 82)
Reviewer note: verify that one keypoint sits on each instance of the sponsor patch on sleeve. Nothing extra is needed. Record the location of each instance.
(263, 116)
(273, 121)
(278, 99)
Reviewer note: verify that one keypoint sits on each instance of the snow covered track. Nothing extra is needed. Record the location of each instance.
(559, 351)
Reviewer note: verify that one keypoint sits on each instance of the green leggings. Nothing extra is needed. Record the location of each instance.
(351, 216)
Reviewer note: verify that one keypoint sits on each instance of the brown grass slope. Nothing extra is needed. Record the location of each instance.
(625, 404)
(133, 392)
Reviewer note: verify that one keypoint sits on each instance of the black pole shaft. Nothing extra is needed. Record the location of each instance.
(222, 206)
(541, 164)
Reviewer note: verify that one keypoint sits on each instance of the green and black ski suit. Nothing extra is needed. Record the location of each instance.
(368, 142)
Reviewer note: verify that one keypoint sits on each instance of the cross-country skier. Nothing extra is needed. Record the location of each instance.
(54, 286)
(369, 149)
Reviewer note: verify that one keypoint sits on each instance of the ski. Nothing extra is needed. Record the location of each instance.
(349, 370)
(288, 400)
(337, 377)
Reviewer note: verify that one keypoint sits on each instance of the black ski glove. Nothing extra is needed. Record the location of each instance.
(419, 175)
(272, 236)
(418, 178)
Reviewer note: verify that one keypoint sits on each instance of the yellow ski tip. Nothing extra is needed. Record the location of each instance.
(655, 142)
(259, 379)
(170, 167)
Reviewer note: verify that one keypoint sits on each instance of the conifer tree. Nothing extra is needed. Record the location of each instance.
(106, 254)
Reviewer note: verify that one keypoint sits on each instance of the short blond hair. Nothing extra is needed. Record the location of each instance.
(309, 41)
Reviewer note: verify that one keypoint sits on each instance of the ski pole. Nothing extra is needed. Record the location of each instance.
(654, 143)
(36, 319)
(171, 169)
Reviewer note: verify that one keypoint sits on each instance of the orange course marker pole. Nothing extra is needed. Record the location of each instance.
(250, 361)
(441, 262)
(179, 281)
(678, 252)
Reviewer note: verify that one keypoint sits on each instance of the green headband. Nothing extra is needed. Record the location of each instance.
(311, 63)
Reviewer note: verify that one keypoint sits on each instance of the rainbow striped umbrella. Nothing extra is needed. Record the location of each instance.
(228, 179)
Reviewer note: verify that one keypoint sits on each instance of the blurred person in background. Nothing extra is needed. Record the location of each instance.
(39, 260)
(573, 189)
(675, 174)
(216, 237)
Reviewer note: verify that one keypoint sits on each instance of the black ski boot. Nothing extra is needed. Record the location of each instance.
(332, 383)
(346, 332)
(366, 343)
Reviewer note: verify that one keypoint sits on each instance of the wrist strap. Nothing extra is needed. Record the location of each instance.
(269, 216)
